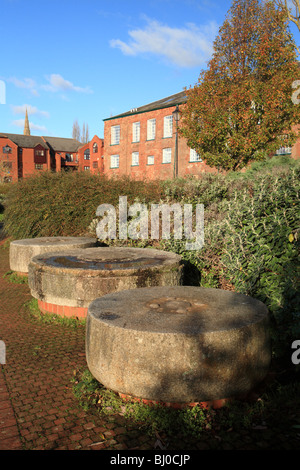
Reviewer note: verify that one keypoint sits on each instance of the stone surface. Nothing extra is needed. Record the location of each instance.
(178, 344)
(21, 251)
(76, 277)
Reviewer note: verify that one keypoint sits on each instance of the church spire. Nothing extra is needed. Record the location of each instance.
(26, 125)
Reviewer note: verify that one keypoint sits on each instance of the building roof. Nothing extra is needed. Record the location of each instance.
(25, 141)
(62, 144)
(167, 102)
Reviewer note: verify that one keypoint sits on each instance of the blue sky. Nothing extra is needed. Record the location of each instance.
(92, 59)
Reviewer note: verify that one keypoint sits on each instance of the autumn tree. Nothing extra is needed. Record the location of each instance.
(241, 109)
(292, 10)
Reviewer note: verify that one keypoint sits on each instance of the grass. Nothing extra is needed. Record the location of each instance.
(192, 424)
(32, 308)
(15, 278)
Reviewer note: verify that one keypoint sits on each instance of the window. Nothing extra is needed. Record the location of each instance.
(135, 158)
(136, 132)
(194, 156)
(150, 160)
(6, 149)
(38, 166)
(167, 155)
(95, 164)
(7, 165)
(86, 168)
(115, 135)
(87, 154)
(95, 148)
(151, 129)
(114, 161)
(69, 157)
(168, 126)
(39, 156)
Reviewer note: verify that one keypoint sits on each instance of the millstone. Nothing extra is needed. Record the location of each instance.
(75, 278)
(178, 344)
(21, 251)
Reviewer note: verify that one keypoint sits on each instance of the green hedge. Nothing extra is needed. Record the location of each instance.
(64, 204)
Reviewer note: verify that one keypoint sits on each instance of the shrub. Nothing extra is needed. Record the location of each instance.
(261, 250)
(64, 204)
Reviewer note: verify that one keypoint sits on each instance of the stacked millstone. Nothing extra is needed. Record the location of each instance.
(66, 283)
(21, 251)
(178, 345)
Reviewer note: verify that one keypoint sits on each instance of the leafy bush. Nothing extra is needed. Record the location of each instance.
(261, 249)
(4, 189)
(64, 204)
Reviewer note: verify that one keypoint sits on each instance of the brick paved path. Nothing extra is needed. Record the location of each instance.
(38, 410)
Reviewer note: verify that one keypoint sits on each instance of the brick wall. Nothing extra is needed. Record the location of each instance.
(150, 152)
(8, 161)
(95, 162)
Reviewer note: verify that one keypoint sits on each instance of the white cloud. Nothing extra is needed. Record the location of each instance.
(58, 83)
(27, 83)
(31, 110)
(188, 46)
(37, 127)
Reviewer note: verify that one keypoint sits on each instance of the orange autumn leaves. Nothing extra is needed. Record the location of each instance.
(241, 105)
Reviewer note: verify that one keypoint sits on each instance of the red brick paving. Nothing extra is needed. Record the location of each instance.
(38, 410)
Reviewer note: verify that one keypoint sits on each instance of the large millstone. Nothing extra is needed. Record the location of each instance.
(21, 251)
(178, 344)
(75, 278)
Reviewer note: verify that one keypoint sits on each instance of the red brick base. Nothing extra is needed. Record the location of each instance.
(215, 404)
(63, 310)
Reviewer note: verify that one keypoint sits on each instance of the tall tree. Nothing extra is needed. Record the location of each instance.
(76, 131)
(292, 10)
(241, 109)
(85, 133)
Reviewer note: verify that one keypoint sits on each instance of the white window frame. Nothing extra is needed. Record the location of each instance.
(168, 126)
(114, 161)
(115, 135)
(167, 155)
(150, 160)
(136, 131)
(87, 168)
(135, 159)
(151, 129)
(194, 156)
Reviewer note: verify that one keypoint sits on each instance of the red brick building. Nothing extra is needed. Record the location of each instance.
(23, 155)
(91, 156)
(142, 143)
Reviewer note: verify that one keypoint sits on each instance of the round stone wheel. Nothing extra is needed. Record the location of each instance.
(21, 251)
(178, 344)
(73, 279)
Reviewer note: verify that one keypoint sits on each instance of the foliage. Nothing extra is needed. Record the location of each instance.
(241, 109)
(261, 249)
(15, 278)
(292, 9)
(66, 202)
